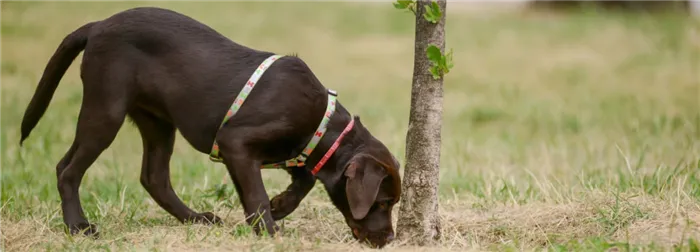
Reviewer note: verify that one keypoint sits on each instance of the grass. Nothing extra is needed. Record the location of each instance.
(560, 132)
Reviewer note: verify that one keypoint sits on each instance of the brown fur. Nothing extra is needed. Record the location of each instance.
(168, 72)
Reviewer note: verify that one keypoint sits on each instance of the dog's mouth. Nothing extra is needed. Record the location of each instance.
(356, 233)
(376, 240)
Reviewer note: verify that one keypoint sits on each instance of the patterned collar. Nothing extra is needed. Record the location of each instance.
(300, 160)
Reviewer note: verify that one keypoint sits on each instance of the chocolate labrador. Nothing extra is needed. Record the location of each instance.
(168, 72)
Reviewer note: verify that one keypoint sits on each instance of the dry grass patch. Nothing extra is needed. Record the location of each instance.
(546, 119)
(637, 221)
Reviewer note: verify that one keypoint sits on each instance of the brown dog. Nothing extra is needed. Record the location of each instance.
(168, 72)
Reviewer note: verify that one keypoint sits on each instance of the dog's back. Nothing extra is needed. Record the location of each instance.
(185, 72)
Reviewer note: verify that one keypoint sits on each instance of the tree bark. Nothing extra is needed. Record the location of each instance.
(418, 220)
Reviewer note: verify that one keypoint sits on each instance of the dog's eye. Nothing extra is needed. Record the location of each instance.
(384, 204)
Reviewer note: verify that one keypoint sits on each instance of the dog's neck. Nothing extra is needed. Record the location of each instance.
(351, 144)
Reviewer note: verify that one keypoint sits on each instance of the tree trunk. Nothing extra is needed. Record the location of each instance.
(418, 220)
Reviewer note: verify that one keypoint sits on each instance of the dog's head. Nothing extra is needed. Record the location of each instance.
(372, 188)
(367, 191)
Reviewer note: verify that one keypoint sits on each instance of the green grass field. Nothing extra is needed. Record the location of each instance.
(561, 132)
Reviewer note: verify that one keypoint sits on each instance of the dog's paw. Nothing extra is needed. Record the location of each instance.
(206, 218)
(282, 205)
(272, 229)
(85, 229)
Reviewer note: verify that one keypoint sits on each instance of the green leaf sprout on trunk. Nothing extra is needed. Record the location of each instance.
(432, 12)
(442, 63)
(406, 5)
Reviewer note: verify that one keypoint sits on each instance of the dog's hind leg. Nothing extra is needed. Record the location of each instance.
(66, 159)
(158, 141)
(106, 97)
(98, 124)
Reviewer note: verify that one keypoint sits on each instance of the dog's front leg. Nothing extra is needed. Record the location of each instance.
(286, 202)
(247, 178)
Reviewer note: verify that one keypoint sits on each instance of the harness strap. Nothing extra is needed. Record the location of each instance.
(300, 160)
(214, 155)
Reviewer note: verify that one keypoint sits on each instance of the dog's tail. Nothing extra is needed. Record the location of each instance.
(66, 52)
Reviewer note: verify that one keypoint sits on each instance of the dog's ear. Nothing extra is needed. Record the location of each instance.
(364, 176)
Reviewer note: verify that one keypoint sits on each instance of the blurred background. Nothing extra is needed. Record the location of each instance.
(550, 106)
